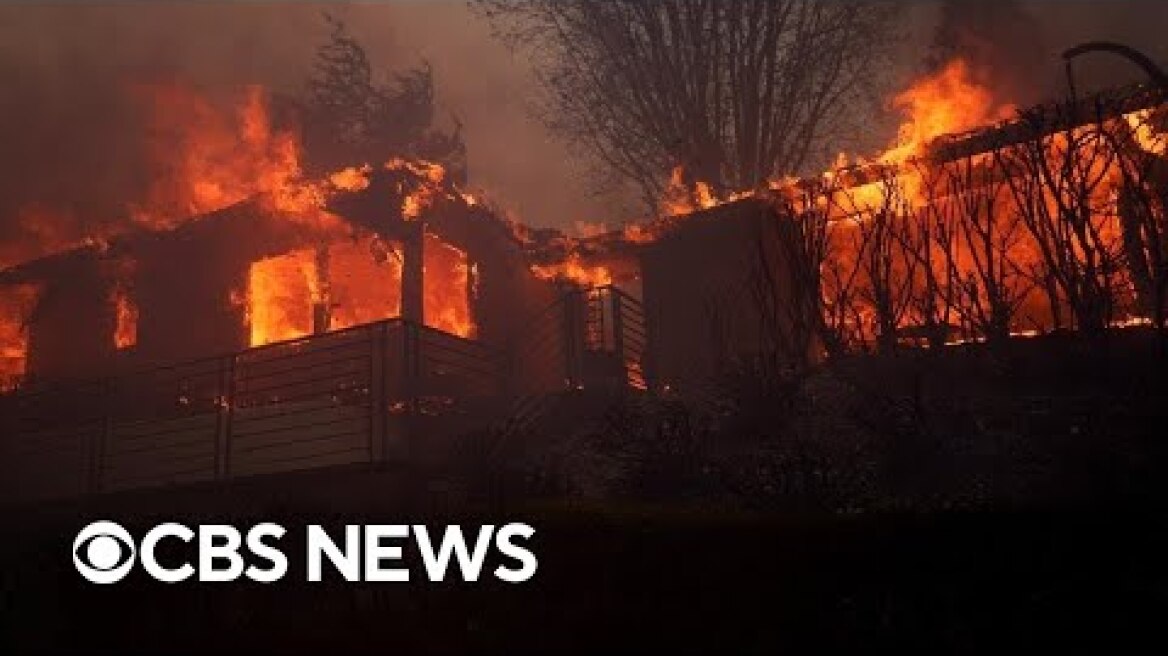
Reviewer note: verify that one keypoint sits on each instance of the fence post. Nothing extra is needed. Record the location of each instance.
(378, 394)
(226, 413)
(575, 328)
(101, 438)
(618, 338)
(409, 383)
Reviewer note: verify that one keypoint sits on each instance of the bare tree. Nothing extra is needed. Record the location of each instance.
(1058, 183)
(927, 236)
(991, 235)
(801, 249)
(840, 271)
(888, 272)
(734, 91)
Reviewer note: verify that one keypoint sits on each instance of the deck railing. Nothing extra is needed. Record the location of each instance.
(339, 398)
(614, 327)
(389, 391)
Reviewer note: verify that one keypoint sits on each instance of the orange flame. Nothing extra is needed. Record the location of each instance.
(279, 297)
(205, 159)
(948, 102)
(126, 318)
(574, 270)
(447, 288)
(431, 175)
(17, 303)
(1145, 133)
(352, 282)
(681, 198)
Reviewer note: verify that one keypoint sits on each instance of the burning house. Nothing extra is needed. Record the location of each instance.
(381, 314)
(297, 336)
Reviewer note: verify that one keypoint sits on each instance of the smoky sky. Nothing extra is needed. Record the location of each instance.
(72, 138)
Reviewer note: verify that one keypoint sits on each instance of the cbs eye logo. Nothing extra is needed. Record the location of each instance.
(103, 552)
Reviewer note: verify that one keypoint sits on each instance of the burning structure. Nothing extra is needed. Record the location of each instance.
(380, 314)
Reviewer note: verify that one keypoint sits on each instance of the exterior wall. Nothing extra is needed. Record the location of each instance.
(70, 335)
(713, 289)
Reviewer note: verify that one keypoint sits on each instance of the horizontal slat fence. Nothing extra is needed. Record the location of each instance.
(324, 400)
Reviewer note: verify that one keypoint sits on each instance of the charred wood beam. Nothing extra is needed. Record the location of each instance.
(413, 243)
(1046, 120)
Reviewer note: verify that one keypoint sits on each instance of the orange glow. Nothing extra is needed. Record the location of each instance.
(42, 228)
(360, 283)
(949, 102)
(126, 318)
(574, 270)
(121, 300)
(684, 199)
(17, 303)
(353, 178)
(279, 297)
(446, 288)
(637, 233)
(1144, 132)
(430, 176)
(203, 158)
(364, 282)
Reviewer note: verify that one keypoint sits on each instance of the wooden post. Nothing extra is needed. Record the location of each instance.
(413, 246)
(413, 318)
(618, 330)
(411, 369)
(378, 394)
(322, 298)
(575, 318)
(100, 439)
(226, 413)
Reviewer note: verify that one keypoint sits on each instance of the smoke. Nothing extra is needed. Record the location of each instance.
(1015, 46)
(1002, 42)
(76, 138)
(75, 144)
(75, 135)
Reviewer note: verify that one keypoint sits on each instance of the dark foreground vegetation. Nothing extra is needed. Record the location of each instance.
(959, 502)
(1032, 423)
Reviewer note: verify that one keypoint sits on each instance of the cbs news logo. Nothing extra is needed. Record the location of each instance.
(104, 552)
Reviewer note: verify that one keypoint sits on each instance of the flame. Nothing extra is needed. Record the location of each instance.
(17, 303)
(431, 177)
(43, 228)
(203, 158)
(574, 270)
(945, 103)
(948, 102)
(636, 233)
(1145, 133)
(121, 272)
(126, 318)
(353, 178)
(279, 297)
(352, 282)
(364, 278)
(681, 198)
(446, 289)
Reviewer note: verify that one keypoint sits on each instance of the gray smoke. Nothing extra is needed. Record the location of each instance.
(72, 140)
